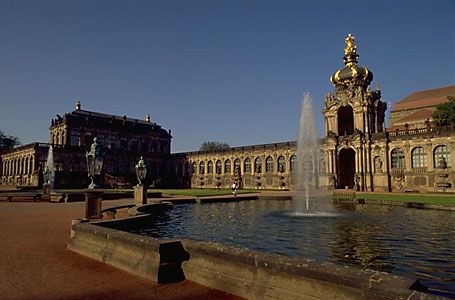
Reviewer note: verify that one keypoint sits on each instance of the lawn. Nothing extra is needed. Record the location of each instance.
(169, 192)
(199, 192)
(446, 200)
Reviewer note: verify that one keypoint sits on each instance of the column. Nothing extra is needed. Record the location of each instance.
(21, 166)
(32, 165)
(329, 162)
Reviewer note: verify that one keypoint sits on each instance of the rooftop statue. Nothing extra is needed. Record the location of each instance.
(350, 47)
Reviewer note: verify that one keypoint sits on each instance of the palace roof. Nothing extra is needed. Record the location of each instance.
(425, 98)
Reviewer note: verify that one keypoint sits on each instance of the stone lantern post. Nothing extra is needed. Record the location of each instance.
(94, 195)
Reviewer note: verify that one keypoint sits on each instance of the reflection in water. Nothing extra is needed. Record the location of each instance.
(409, 242)
(355, 243)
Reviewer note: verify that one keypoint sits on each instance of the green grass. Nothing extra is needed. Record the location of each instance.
(200, 192)
(112, 191)
(446, 200)
(169, 192)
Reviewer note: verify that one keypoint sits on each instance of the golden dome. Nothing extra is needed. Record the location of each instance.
(352, 73)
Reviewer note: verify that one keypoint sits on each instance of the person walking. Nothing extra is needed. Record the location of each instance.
(234, 189)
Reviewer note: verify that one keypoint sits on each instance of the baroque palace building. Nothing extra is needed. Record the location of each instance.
(123, 140)
(357, 152)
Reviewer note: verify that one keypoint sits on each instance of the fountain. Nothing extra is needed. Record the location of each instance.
(307, 173)
(48, 175)
(49, 170)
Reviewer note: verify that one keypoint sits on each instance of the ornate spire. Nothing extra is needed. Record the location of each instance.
(352, 73)
(350, 47)
(350, 52)
(78, 105)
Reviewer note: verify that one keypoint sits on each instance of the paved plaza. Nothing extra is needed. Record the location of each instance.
(35, 263)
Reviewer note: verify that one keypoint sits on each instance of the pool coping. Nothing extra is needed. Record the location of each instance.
(239, 271)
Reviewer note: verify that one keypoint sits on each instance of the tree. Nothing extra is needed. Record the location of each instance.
(8, 141)
(445, 113)
(214, 146)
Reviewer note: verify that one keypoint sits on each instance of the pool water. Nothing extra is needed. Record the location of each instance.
(411, 242)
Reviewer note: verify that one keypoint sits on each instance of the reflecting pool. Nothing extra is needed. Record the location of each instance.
(403, 241)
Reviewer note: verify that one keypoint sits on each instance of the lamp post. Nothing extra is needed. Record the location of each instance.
(140, 190)
(141, 170)
(94, 196)
(94, 163)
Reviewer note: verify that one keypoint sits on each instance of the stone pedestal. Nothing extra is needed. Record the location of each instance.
(140, 195)
(57, 198)
(93, 204)
(46, 192)
(381, 182)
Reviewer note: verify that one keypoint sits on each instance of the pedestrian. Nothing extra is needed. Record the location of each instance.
(234, 189)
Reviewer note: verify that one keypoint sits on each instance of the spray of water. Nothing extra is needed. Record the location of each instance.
(50, 166)
(307, 151)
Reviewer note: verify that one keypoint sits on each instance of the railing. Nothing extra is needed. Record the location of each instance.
(343, 195)
(422, 131)
(395, 171)
(419, 170)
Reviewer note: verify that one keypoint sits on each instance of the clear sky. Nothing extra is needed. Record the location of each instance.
(232, 71)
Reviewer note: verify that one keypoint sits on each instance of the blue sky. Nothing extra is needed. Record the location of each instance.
(210, 70)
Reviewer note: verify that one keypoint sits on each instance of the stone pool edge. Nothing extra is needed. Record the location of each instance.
(238, 271)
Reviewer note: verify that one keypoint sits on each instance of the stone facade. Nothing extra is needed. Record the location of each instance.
(267, 166)
(124, 141)
(23, 165)
(357, 152)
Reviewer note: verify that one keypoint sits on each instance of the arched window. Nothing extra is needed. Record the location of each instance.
(134, 144)
(210, 167)
(269, 164)
(75, 138)
(193, 168)
(202, 168)
(100, 139)
(113, 141)
(227, 167)
(281, 164)
(258, 165)
(438, 153)
(144, 146)
(397, 158)
(418, 158)
(247, 166)
(345, 120)
(124, 144)
(293, 163)
(237, 166)
(218, 167)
